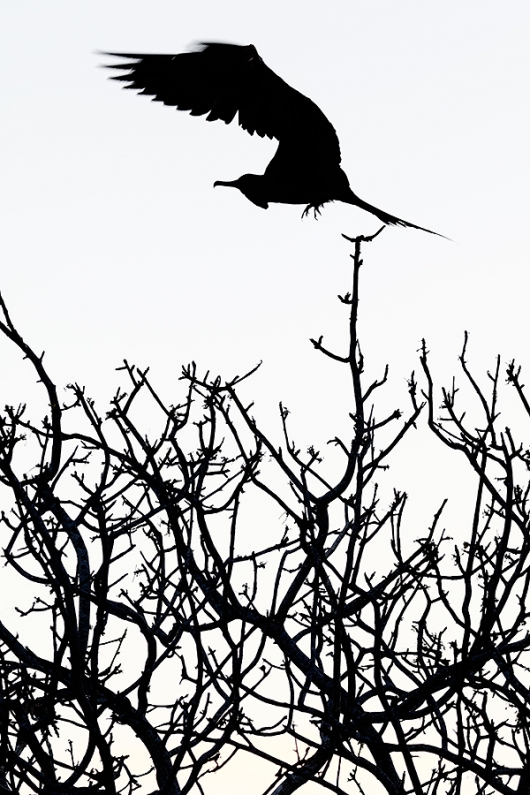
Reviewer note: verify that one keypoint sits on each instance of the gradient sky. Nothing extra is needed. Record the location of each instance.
(115, 244)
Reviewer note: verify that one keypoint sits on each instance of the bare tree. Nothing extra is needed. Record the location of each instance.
(200, 595)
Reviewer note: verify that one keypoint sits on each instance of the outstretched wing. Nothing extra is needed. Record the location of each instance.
(222, 80)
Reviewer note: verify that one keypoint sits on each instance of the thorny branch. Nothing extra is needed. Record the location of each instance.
(161, 624)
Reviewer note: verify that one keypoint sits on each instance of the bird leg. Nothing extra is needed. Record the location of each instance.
(315, 208)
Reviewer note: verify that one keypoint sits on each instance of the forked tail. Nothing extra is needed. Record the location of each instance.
(386, 218)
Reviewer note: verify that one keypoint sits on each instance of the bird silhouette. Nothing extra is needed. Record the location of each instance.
(222, 80)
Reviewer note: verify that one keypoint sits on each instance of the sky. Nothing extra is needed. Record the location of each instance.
(116, 246)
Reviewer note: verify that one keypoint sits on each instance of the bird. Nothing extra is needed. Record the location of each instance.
(220, 80)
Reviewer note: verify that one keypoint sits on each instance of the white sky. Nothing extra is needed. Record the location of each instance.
(115, 245)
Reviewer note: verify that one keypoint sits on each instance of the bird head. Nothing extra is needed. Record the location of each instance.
(250, 185)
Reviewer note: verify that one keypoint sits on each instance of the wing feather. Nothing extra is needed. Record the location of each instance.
(225, 80)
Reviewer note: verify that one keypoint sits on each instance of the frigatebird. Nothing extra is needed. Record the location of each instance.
(222, 80)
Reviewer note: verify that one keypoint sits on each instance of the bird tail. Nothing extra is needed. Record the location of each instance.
(386, 218)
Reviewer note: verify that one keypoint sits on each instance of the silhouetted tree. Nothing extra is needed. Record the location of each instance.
(200, 594)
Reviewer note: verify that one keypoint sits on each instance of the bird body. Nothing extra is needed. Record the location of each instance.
(222, 80)
(290, 185)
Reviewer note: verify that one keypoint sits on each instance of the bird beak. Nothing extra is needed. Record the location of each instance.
(228, 184)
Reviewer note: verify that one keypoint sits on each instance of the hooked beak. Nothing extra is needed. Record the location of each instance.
(228, 184)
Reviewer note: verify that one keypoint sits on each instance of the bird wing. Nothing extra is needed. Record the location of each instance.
(222, 80)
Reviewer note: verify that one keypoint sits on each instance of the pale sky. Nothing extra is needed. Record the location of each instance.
(115, 244)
